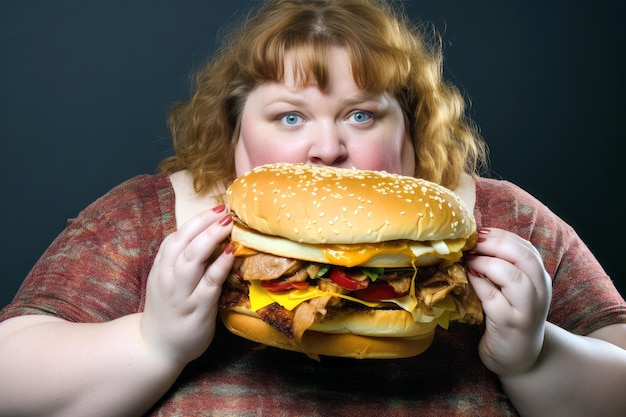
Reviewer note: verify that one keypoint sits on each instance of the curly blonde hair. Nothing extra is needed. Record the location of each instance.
(388, 54)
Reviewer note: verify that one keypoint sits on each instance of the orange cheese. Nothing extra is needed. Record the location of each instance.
(351, 255)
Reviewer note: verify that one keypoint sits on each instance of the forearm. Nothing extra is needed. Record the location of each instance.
(574, 376)
(61, 368)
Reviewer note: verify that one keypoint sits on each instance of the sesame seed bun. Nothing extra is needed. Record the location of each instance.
(329, 205)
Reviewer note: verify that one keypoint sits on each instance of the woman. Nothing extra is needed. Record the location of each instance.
(119, 315)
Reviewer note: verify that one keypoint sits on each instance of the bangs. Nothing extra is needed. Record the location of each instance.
(371, 71)
(380, 61)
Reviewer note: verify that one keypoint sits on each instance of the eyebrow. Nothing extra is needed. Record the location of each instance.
(379, 98)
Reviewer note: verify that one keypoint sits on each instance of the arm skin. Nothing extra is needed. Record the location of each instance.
(52, 367)
(573, 376)
(545, 370)
(57, 368)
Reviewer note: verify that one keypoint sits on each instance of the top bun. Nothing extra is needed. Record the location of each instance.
(326, 205)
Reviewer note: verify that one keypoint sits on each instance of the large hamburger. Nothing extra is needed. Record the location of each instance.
(346, 262)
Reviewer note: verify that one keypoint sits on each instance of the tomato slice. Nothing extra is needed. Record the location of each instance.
(276, 285)
(341, 278)
(377, 292)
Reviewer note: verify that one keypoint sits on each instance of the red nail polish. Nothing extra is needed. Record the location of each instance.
(219, 209)
(226, 220)
(483, 231)
(229, 249)
(481, 239)
(471, 271)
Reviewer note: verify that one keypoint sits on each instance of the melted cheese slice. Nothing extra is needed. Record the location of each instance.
(361, 254)
(353, 255)
(259, 298)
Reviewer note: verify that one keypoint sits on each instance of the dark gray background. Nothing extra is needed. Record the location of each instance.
(85, 88)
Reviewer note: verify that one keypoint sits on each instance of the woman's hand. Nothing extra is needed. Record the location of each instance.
(509, 278)
(184, 287)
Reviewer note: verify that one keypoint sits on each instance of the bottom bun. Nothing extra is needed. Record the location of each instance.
(315, 343)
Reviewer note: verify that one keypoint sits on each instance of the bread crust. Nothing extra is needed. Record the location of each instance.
(315, 343)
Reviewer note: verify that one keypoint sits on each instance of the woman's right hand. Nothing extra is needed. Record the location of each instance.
(183, 289)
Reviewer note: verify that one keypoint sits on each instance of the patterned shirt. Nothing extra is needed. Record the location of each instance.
(96, 270)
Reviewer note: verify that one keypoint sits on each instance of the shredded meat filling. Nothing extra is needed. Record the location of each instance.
(433, 284)
(264, 266)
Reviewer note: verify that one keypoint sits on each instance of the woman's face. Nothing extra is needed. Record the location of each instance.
(341, 126)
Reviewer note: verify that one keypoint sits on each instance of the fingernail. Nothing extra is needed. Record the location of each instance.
(481, 239)
(483, 231)
(226, 220)
(471, 271)
(229, 249)
(219, 209)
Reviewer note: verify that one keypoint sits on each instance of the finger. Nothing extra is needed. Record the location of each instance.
(192, 262)
(519, 252)
(216, 272)
(174, 244)
(206, 240)
(492, 299)
(508, 280)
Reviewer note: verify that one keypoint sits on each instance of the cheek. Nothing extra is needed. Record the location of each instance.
(255, 150)
(250, 154)
(397, 158)
(408, 158)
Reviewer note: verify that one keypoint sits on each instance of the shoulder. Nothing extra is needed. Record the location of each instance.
(189, 202)
(488, 188)
(144, 187)
(141, 198)
(505, 205)
(500, 203)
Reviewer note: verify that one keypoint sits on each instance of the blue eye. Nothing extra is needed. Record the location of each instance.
(291, 119)
(361, 116)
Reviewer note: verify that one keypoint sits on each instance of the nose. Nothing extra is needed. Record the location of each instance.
(328, 147)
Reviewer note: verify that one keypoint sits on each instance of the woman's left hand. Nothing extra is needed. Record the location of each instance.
(508, 276)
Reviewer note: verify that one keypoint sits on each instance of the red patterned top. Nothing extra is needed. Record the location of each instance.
(96, 270)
